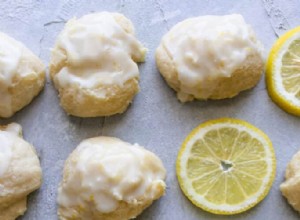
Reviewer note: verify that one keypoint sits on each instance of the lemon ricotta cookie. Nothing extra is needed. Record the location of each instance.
(106, 178)
(290, 188)
(22, 75)
(210, 57)
(20, 172)
(93, 65)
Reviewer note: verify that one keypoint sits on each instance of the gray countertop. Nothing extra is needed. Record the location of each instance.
(156, 119)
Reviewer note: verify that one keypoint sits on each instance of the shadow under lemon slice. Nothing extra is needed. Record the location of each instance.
(226, 166)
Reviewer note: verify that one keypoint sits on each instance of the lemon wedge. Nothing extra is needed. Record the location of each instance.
(226, 166)
(283, 72)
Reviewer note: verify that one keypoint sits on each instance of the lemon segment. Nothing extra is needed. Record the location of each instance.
(226, 166)
(283, 72)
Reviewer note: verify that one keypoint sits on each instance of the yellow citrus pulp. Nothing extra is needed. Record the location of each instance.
(226, 166)
(283, 72)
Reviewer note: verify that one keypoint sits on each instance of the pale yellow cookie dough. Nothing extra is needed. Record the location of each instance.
(108, 179)
(210, 57)
(290, 188)
(93, 65)
(20, 172)
(22, 75)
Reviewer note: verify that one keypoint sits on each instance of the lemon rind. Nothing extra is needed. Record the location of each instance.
(277, 97)
(221, 211)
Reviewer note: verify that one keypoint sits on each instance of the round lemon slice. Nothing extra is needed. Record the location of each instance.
(283, 72)
(226, 166)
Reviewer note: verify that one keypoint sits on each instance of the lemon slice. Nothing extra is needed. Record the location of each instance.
(226, 166)
(283, 72)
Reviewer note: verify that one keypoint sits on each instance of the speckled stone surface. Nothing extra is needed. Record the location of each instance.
(156, 119)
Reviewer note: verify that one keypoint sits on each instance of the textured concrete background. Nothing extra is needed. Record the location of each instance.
(156, 119)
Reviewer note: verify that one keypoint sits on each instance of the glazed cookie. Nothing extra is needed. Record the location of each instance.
(210, 57)
(106, 178)
(22, 76)
(93, 65)
(290, 188)
(20, 172)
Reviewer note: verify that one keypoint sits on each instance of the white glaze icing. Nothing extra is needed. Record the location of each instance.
(207, 47)
(99, 52)
(10, 55)
(8, 136)
(6, 141)
(110, 171)
(14, 128)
